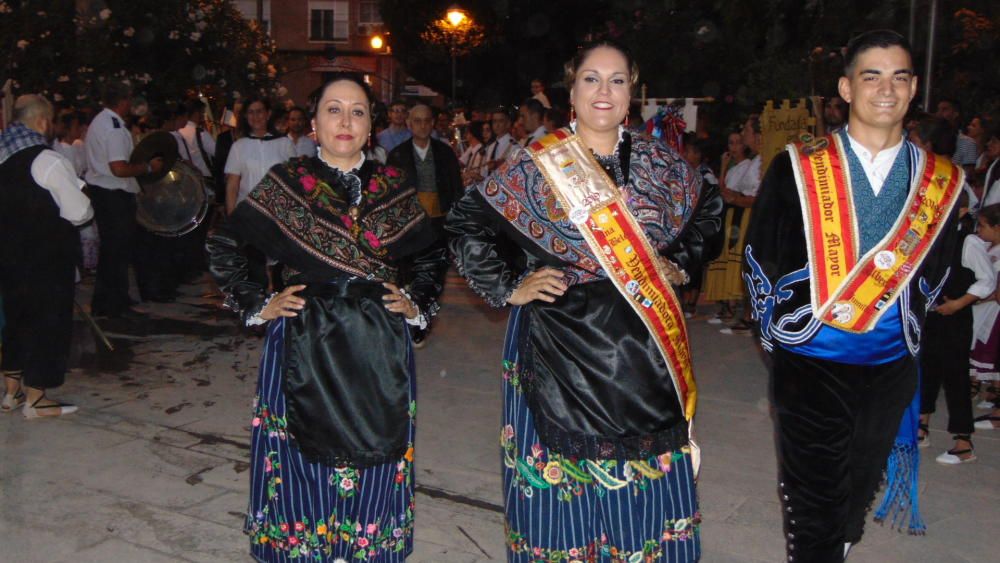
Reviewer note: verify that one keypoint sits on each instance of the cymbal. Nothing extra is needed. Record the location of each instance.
(158, 144)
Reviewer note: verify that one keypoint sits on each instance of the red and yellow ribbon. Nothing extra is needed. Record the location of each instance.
(852, 293)
(595, 205)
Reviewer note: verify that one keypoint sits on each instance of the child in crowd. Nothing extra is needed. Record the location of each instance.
(985, 355)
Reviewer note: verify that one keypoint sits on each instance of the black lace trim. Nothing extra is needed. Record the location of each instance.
(588, 446)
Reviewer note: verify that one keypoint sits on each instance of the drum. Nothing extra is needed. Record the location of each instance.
(174, 201)
(175, 204)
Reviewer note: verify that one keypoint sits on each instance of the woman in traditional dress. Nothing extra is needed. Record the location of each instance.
(595, 437)
(332, 439)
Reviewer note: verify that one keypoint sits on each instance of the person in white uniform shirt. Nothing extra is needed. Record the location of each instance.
(113, 188)
(298, 132)
(67, 142)
(538, 93)
(41, 204)
(254, 154)
(532, 113)
(498, 149)
(194, 144)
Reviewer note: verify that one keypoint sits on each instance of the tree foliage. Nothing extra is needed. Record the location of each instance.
(166, 50)
(740, 52)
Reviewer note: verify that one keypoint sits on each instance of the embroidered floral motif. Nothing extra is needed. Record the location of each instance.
(512, 374)
(543, 469)
(661, 193)
(682, 529)
(345, 480)
(315, 540)
(271, 424)
(290, 195)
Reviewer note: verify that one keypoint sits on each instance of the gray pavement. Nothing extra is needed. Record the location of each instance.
(154, 466)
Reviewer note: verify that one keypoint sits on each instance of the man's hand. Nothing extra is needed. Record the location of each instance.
(156, 165)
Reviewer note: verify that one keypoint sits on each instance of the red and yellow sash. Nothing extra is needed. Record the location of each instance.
(595, 205)
(848, 292)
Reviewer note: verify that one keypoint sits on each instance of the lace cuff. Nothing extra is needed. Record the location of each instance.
(491, 299)
(421, 320)
(254, 319)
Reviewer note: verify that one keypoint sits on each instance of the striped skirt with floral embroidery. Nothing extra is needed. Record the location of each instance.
(302, 511)
(560, 509)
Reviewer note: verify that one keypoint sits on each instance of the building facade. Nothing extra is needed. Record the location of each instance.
(317, 37)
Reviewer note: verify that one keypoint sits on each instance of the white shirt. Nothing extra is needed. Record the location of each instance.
(984, 260)
(878, 166)
(187, 147)
(421, 152)
(498, 149)
(305, 146)
(74, 153)
(541, 97)
(251, 158)
(535, 135)
(975, 256)
(108, 140)
(991, 193)
(744, 177)
(467, 157)
(55, 173)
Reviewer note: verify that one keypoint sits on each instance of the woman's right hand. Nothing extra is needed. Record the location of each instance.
(284, 304)
(543, 285)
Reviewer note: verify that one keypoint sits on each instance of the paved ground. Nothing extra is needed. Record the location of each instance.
(154, 466)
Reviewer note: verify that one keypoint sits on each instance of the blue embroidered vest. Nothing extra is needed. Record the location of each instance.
(876, 216)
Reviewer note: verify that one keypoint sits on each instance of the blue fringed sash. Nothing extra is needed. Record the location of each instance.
(902, 475)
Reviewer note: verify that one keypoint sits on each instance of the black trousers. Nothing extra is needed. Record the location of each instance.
(836, 424)
(944, 361)
(38, 306)
(114, 211)
(156, 264)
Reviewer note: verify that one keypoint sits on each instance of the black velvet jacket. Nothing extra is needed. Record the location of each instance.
(346, 362)
(777, 275)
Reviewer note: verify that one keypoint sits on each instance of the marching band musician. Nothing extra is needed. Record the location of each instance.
(113, 188)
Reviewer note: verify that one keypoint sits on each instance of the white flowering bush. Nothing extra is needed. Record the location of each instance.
(166, 50)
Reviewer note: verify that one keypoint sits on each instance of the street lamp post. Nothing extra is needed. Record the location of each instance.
(455, 18)
(459, 33)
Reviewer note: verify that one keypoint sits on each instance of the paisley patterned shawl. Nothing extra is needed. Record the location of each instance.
(306, 201)
(662, 193)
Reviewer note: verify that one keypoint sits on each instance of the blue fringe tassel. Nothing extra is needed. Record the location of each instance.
(902, 476)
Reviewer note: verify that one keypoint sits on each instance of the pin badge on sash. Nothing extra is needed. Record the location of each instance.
(579, 215)
(885, 259)
(843, 312)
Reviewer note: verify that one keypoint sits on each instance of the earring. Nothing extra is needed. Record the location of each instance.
(572, 114)
(627, 115)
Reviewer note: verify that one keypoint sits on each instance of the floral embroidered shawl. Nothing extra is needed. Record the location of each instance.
(301, 215)
(660, 194)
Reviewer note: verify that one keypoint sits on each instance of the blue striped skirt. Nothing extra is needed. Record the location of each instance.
(561, 509)
(306, 511)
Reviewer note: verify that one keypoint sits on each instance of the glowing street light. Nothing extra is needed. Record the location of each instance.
(377, 42)
(456, 16)
(457, 31)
